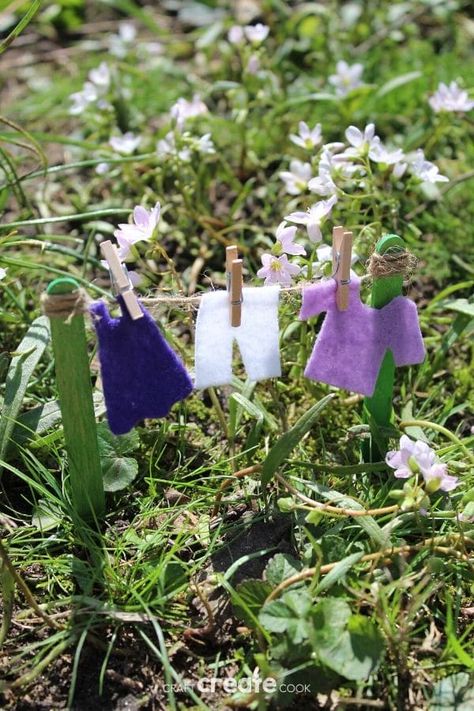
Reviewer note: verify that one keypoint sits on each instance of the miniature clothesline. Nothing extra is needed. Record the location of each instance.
(66, 303)
(392, 262)
(396, 262)
(71, 304)
(142, 377)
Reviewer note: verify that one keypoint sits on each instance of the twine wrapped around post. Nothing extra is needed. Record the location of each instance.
(393, 262)
(65, 304)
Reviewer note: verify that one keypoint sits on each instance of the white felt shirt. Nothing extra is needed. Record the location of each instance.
(257, 336)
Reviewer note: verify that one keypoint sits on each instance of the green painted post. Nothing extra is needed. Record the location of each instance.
(378, 408)
(77, 408)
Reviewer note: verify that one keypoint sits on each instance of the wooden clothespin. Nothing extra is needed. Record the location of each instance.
(341, 265)
(120, 279)
(234, 284)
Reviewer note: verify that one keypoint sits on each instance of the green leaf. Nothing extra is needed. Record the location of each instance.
(7, 585)
(35, 422)
(46, 515)
(288, 441)
(118, 470)
(281, 567)
(289, 614)
(453, 334)
(249, 599)
(331, 616)
(462, 306)
(305, 98)
(453, 693)
(415, 432)
(19, 373)
(249, 407)
(397, 82)
(350, 645)
(338, 572)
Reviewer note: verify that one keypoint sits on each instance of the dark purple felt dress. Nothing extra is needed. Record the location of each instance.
(142, 376)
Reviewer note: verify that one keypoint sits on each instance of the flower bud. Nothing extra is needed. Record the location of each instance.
(276, 249)
(432, 485)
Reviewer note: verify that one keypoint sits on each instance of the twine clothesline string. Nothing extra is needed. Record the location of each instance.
(393, 261)
(66, 305)
(195, 299)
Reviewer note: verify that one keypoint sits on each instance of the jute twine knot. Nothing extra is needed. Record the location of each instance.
(393, 261)
(65, 305)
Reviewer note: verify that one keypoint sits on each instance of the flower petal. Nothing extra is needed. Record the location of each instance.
(354, 136)
(140, 216)
(403, 473)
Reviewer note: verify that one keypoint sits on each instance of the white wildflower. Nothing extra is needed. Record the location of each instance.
(125, 144)
(450, 98)
(143, 228)
(313, 218)
(307, 138)
(426, 171)
(361, 142)
(236, 34)
(167, 147)
(82, 99)
(183, 109)
(323, 259)
(347, 78)
(296, 179)
(205, 144)
(102, 168)
(121, 43)
(100, 77)
(380, 154)
(277, 270)
(92, 91)
(256, 33)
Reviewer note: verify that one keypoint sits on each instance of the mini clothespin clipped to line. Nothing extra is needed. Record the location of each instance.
(233, 267)
(341, 265)
(121, 283)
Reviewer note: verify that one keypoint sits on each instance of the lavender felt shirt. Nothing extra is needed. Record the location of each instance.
(142, 376)
(351, 344)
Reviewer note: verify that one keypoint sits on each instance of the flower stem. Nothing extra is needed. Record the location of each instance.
(336, 510)
(387, 552)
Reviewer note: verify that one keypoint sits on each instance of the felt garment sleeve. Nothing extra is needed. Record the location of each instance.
(405, 341)
(318, 298)
(142, 377)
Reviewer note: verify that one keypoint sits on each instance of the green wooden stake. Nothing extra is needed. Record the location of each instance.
(77, 408)
(378, 408)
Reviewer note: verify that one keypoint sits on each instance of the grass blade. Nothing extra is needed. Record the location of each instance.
(280, 451)
(20, 26)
